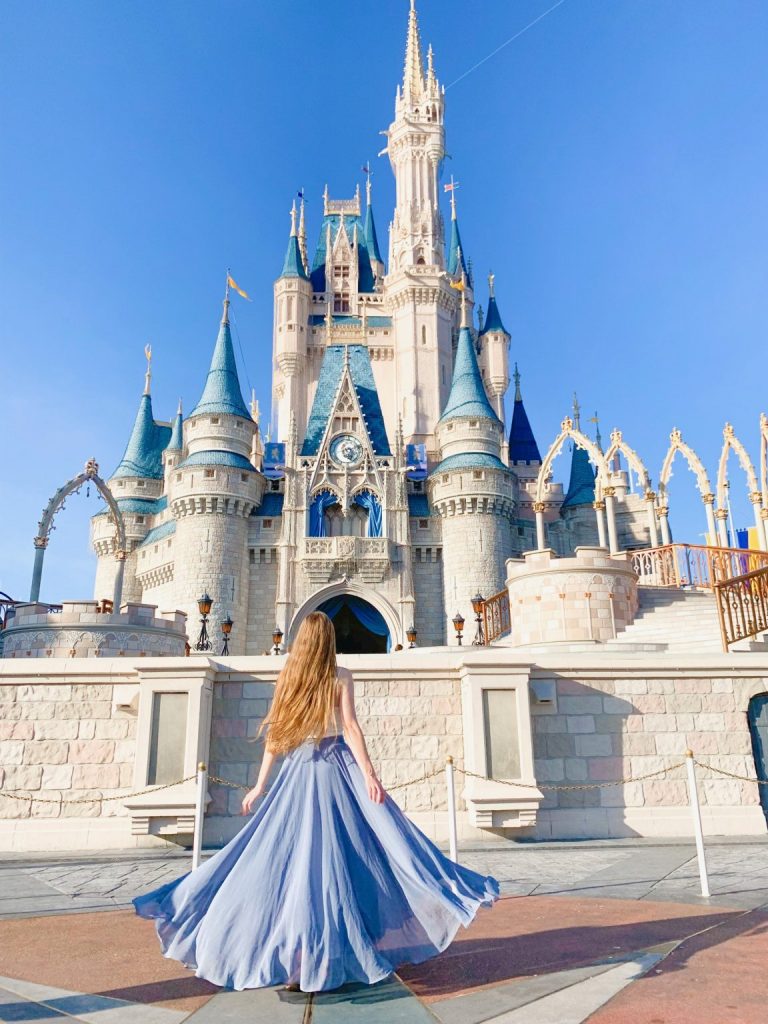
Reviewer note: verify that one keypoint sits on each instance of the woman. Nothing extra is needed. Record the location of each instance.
(328, 882)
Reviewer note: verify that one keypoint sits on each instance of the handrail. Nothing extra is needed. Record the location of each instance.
(742, 606)
(497, 620)
(694, 565)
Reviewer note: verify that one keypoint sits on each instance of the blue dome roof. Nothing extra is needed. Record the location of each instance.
(218, 458)
(581, 486)
(467, 397)
(176, 442)
(143, 454)
(469, 460)
(493, 318)
(222, 393)
(293, 264)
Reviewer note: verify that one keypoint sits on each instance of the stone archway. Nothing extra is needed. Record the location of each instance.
(346, 588)
(89, 475)
(732, 443)
(619, 445)
(677, 444)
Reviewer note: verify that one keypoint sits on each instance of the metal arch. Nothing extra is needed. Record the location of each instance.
(731, 442)
(89, 475)
(677, 444)
(582, 441)
(618, 444)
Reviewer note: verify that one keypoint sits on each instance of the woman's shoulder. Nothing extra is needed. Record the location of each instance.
(343, 675)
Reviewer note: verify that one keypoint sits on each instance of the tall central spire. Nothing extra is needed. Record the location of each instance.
(413, 74)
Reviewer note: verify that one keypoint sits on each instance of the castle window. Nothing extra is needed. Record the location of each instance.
(417, 553)
(520, 531)
(262, 555)
(274, 485)
(252, 556)
(178, 478)
(450, 426)
(120, 483)
(341, 302)
(139, 520)
(423, 330)
(243, 477)
(267, 524)
(477, 474)
(423, 524)
(141, 483)
(438, 554)
(445, 478)
(428, 554)
(474, 423)
(238, 423)
(209, 473)
(418, 485)
(442, 372)
(214, 420)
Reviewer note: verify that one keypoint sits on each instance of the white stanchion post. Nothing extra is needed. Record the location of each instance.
(693, 796)
(197, 838)
(451, 789)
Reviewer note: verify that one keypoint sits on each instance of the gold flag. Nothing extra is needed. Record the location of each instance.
(233, 284)
(458, 285)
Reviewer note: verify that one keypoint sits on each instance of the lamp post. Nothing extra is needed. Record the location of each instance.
(204, 604)
(458, 625)
(277, 639)
(410, 635)
(226, 629)
(477, 607)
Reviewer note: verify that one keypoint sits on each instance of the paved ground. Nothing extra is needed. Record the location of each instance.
(610, 932)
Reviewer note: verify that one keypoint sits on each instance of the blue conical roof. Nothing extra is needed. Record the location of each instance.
(222, 393)
(581, 486)
(522, 443)
(456, 251)
(493, 318)
(293, 264)
(467, 397)
(371, 241)
(176, 442)
(143, 455)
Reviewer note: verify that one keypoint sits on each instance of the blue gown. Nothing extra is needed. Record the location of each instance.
(321, 887)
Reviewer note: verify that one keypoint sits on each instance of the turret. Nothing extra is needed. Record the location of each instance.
(524, 455)
(456, 264)
(213, 491)
(175, 448)
(371, 240)
(293, 300)
(581, 484)
(471, 488)
(494, 340)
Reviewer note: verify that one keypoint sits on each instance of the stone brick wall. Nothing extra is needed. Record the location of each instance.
(613, 728)
(429, 613)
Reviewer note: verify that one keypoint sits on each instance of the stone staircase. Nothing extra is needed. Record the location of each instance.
(672, 620)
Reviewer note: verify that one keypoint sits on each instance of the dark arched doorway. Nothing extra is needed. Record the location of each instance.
(360, 628)
(757, 716)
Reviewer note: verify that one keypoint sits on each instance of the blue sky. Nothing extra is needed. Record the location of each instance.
(613, 164)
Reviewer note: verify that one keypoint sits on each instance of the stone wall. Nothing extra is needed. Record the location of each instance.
(429, 614)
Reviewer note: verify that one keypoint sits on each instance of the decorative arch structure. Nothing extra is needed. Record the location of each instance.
(567, 430)
(341, 589)
(89, 475)
(619, 445)
(677, 444)
(732, 443)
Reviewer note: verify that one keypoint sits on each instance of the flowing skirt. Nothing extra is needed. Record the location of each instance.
(321, 887)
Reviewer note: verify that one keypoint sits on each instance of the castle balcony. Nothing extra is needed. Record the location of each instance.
(327, 558)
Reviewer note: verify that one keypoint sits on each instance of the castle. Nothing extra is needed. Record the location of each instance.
(392, 491)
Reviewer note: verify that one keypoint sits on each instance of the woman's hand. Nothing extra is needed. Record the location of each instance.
(251, 797)
(375, 789)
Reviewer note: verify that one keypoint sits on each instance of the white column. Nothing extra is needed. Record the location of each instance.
(721, 515)
(541, 537)
(599, 507)
(760, 521)
(663, 514)
(709, 501)
(610, 513)
(650, 498)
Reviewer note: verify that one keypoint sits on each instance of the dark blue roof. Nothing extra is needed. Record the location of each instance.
(316, 319)
(141, 506)
(176, 442)
(293, 264)
(371, 241)
(467, 397)
(331, 372)
(581, 486)
(159, 532)
(522, 443)
(453, 251)
(222, 393)
(365, 271)
(418, 505)
(469, 460)
(217, 458)
(143, 455)
(271, 505)
(493, 318)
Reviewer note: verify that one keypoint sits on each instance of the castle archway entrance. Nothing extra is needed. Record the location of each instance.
(364, 621)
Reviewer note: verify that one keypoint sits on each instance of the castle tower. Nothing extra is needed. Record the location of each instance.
(494, 357)
(212, 492)
(471, 488)
(293, 299)
(175, 448)
(423, 305)
(137, 485)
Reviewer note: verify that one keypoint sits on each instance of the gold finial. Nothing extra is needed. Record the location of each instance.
(576, 412)
(451, 187)
(148, 375)
(491, 279)
(464, 309)
(178, 410)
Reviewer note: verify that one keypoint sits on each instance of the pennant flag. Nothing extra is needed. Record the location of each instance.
(365, 169)
(300, 194)
(458, 285)
(450, 186)
(416, 461)
(274, 460)
(233, 284)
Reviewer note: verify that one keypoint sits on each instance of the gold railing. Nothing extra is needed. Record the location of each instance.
(742, 606)
(694, 565)
(496, 616)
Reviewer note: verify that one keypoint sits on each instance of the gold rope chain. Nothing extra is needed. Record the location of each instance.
(558, 787)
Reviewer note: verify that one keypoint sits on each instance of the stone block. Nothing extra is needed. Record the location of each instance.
(549, 769)
(40, 710)
(560, 745)
(585, 705)
(95, 776)
(578, 798)
(660, 723)
(720, 792)
(628, 795)
(693, 686)
(57, 776)
(437, 688)
(669, 744)
(665, 793)
(650, 703)
(575, 769)
(252, 708)
(424, 747)
(407, 688)
(87, 730)
(709, 722)
(580, 723)
(231, 726)
(86, 805)
(643, 743)
(23, 777)
(630, 687)
(733, 742)
(605, 769)
(617, 706)
(595, 745)
(125, 751)
(46, 751)
(232, 691)
(91, 692)
(16, 730)
(47, 804)
(722, 686)
(92, 751)
(53, 693)
(718, 702)
(85, 709)
(111, 728)
(688, 702)
(610, 724)
(549, 724)
(55, 729)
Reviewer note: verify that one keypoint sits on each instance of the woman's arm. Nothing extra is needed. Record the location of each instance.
(354, 737)
(253, 795)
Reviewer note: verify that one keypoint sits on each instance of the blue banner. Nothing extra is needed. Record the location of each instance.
(274, 460)
(416, 461)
